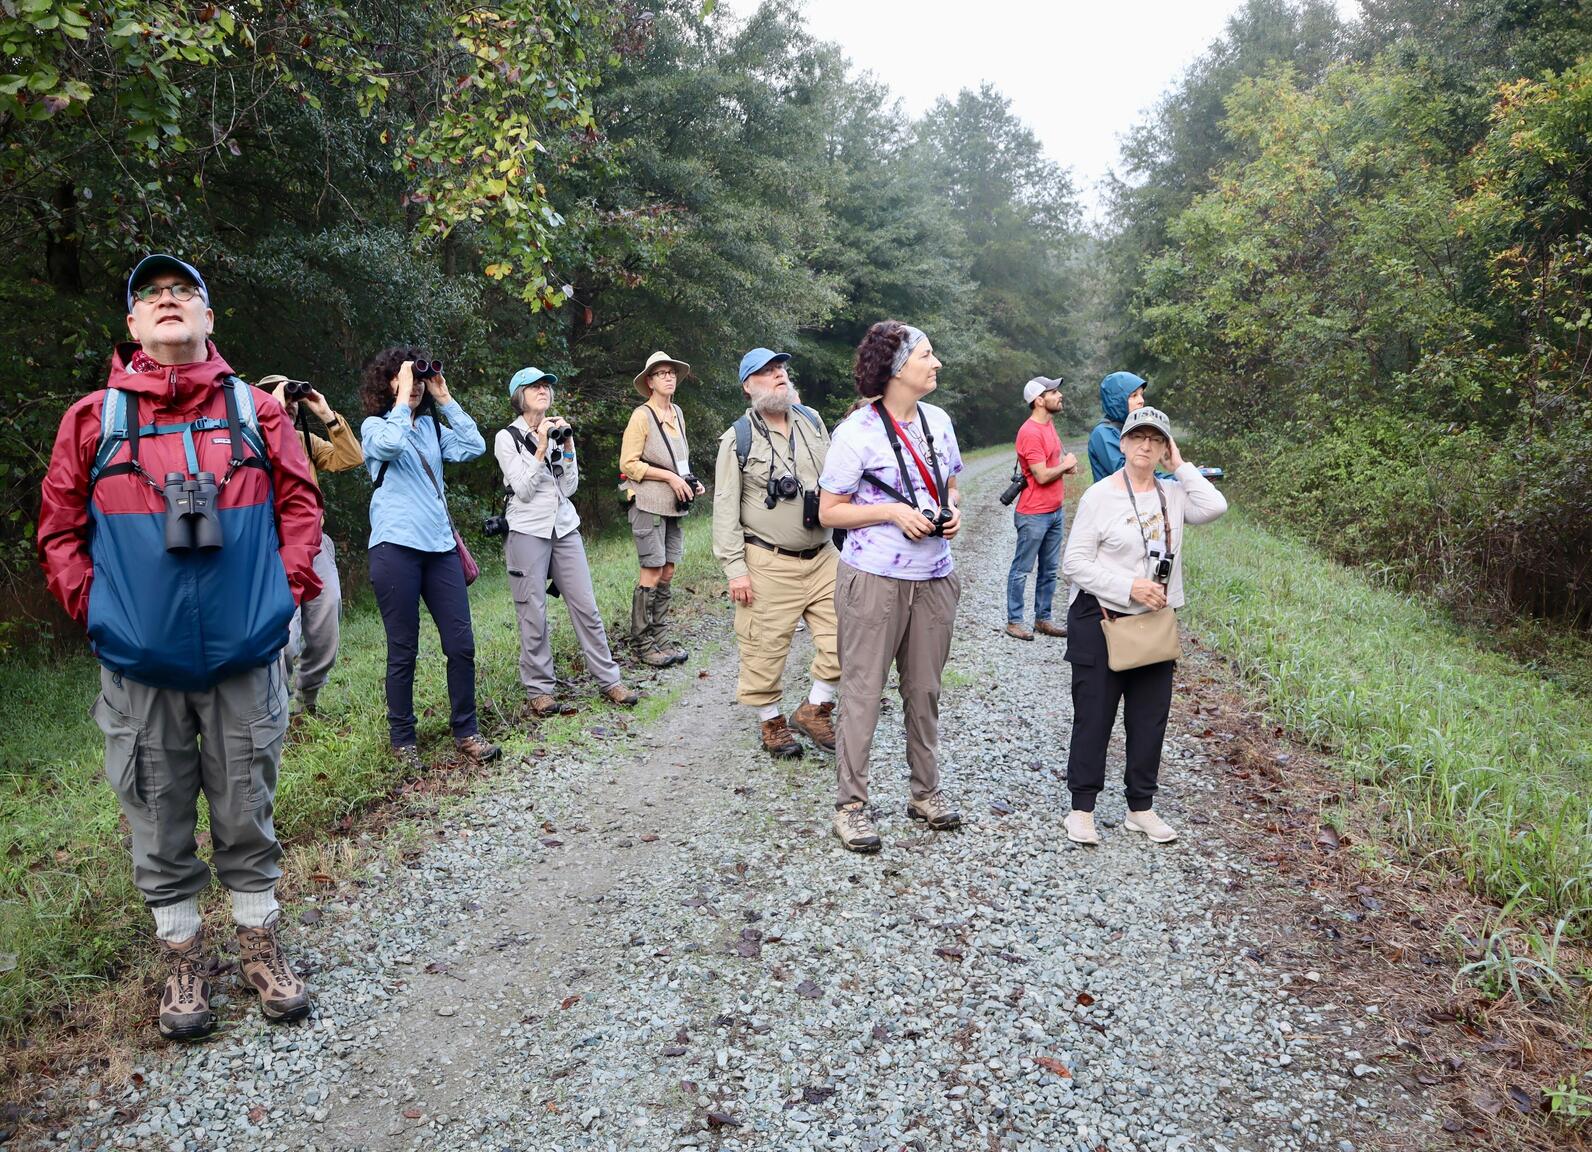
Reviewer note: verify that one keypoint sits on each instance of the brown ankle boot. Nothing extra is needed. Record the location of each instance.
(283, 995)
(813, 721)
(778, 741)
(185, 1002)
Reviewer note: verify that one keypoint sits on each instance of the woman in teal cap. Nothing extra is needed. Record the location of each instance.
(540, 473)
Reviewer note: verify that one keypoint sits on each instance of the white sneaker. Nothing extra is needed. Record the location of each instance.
(1151, 825)
(1080, 827)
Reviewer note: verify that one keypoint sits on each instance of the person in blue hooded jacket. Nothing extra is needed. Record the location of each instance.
(1120, 393)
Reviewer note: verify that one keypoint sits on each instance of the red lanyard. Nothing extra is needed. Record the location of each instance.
(923, 469)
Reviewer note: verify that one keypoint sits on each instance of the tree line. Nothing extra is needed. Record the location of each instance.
(1360, 253)
(565, 183)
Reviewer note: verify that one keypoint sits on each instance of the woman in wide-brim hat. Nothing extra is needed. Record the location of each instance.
(654, 457)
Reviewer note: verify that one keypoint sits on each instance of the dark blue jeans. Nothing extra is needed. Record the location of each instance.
(1038, 535)
(402, 578)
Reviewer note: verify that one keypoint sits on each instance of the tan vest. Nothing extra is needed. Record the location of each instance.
(656, 496)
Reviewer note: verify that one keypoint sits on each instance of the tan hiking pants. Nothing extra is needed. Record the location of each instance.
(785, 589)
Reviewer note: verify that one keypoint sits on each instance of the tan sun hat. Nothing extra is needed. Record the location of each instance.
(652, 362)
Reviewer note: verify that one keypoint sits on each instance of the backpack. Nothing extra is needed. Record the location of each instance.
(242, 424)
(743, 432)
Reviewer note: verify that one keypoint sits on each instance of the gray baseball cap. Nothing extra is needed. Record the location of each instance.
(1038, 386)
(1153, 418)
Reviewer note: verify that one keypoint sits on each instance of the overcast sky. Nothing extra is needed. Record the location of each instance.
(1078, 74)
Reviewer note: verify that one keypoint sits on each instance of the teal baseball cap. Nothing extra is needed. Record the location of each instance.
(527, 376)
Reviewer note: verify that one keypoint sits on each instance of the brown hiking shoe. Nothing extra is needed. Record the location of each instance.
(185, 1001)
(1017, 632)
(622, 696)
(1047, 628)
(283, 995)
(853, 828)
(657, 658)
(477, 749)
(812, 721)
(543, 705)
(778, 741)
(935, 810)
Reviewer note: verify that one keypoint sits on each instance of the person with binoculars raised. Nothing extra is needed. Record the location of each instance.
(314, 634)
(542, 537)
(776, 556)
(179, 523)
(658, 488)
(890, 481)
(415, 552)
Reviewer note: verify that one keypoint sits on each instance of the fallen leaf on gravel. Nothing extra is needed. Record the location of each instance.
(649, 837)
(949, 953)
(694, 901)
(750, 949)
(412, 1113)
(321, 878)
(1085, 1000)
(722, 1120)
(552, 842)
(310, 916)
(1488, 1103)
(807, 990)
(1523, 1100)
(674, 1050)
(1050, 1064)
(814, 1094)
(1000, 808)
(256, 1114)
(663, 953)
(570, 1002)
(1371, 903)
(881, 1032)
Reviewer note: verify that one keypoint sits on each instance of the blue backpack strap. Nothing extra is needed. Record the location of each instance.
(812, 416)
(743, 440)
(249, 418)
(113, 431)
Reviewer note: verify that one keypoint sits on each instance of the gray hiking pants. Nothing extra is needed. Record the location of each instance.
(313, 636)
(163, 747)
(531, 559)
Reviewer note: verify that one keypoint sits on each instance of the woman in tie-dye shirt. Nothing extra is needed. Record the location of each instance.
(890, 481)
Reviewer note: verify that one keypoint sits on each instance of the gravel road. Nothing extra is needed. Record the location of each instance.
(654, 943)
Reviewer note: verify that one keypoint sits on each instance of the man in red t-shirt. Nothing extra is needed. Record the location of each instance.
(1039, 516)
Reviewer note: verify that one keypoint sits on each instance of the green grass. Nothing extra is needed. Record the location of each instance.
(69, 915)
(1486, 767)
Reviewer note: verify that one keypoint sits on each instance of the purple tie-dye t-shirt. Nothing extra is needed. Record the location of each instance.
(860, 444)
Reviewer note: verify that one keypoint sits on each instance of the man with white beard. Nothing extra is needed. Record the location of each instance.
(777, 558)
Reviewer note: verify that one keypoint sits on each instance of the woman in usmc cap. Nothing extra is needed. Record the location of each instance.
(1124, 556)
(654, 456)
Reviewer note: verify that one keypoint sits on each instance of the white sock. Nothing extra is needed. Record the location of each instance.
(177, 922)
(253, 909)
(823, 692)
(768, 711)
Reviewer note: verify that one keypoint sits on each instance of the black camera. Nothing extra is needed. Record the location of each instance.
(810, 510)
(685, 505)
(191, 520)
(495, 526)
(1015, 488)
(1163, 571)
(425, 369)
(296, 389)
(781, 488)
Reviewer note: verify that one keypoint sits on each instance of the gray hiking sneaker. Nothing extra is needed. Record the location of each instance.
(854, 829)
(936, 811)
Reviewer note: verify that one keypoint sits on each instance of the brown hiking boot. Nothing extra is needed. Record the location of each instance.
(853, 828)
(1017, 632)
(622, 696)
(543, 705)
(477, 749)
(935, 810)
(778, 741)
(1047, 628)
(185, 1001)
(283, 995)
(657, 658)
(812, 721)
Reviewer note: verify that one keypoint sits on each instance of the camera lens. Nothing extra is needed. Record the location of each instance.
(786, 487)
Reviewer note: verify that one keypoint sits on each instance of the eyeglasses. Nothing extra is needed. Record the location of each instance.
(180, 292)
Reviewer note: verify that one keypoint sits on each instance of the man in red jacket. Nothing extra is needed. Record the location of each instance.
(179, 524)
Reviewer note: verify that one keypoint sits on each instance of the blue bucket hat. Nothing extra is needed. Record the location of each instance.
(158, 262)
(758, 359)
(528, 376)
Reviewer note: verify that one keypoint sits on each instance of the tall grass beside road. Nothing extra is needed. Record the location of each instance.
(69, 916)
(1486, 767)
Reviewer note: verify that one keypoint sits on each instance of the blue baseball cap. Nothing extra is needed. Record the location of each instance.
(158, 262)
(527, 376)
(758, 359)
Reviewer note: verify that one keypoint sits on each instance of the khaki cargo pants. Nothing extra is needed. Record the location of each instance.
(163, 747)
(785, 589)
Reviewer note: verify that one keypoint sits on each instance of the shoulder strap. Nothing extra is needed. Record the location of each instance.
(812, 416)
(743, 440)
(674, 465)
(381, 473)
(522, 442)
(113, 430)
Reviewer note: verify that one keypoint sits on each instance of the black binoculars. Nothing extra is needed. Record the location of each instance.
(495, 526)
(939, 519)
(1163, 571)
(562, 434)
(296, 389)
(192, 523)
(426, 369)
(781, 488)
(685, 505)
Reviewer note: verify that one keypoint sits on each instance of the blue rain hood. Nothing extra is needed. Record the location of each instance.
(1114, 392)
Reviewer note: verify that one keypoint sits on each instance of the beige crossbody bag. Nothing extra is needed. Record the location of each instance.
(1135, 639)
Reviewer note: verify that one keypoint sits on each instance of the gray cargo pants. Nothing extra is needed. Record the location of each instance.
(530, 560)
(163, 747)
(313, 636)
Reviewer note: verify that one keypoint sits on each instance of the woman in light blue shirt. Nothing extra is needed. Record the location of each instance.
(413, 552)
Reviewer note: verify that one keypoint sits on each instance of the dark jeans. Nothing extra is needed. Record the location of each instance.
(1146, 696)
(1038, 536)
(402, 578)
